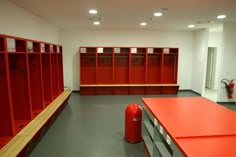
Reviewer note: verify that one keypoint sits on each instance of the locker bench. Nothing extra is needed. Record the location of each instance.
(129, 88)
(20, 144)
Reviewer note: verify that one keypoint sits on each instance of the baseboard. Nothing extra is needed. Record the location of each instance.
(181, 90)
(189, 90)
(75, 91)
(226, 103)
(185, 90)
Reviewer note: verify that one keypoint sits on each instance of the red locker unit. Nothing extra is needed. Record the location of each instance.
(128, 70)
(60, 69)
(104, 70)
(121, 70)
(137, 70)
(54, 68)
(19, 82)
(47, 73)
(6, 115)
(30, 78)
(35, 72)
(88, 64)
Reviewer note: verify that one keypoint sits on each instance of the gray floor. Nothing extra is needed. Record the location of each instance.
(93, 126)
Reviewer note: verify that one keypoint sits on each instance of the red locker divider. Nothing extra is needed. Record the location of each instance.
(60, 70)
(54, 71)
(128, 70)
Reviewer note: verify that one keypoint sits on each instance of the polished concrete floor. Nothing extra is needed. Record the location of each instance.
(93, 126)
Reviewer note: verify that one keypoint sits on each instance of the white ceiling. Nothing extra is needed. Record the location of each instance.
(127, 14)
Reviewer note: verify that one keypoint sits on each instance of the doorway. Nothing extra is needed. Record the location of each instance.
(210, 82)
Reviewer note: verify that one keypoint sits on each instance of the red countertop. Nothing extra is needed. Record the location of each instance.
(197, 116)
(216, 146)
(200, 127)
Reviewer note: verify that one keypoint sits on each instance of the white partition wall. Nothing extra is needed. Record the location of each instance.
(73, 39)
(199, 60)
(228, 60)
(16, 21)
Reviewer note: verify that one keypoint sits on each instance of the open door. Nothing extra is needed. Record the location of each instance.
(210, 92)
(211, 67)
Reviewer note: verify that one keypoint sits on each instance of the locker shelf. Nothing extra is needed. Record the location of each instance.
(2, 48)
(20, 124)
(4, 140)
(36, 112)
(150, 129)
(149, 144)
(160, 150)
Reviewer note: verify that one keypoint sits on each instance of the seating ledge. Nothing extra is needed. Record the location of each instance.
(129, 85)
(24, 137)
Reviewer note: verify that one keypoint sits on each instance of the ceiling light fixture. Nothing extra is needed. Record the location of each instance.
(164, 9)
(205, 22)
(93, 11)
(94, 18)
(221, 16)
(143, 23)
(191, 26)
(96, 23)
(158, 14)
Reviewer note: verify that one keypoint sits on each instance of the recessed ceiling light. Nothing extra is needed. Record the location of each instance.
(191, 26)
(221, 16)
(96, 23)
(93, 11)
(205, 22)
(158, 14)
(164, 9)
(143, 23)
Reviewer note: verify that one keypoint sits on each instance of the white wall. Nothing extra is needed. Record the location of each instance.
(228, 60)
(215, 40)
(16, 21)
(73, 39)
(200, 47)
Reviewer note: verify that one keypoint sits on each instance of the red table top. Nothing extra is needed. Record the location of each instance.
(217, 146)
(200, 127)
(197, 116)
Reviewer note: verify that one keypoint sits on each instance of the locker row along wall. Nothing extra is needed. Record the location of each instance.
(128, 70)
(31, 78)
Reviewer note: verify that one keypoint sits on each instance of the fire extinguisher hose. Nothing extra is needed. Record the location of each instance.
(226, 82)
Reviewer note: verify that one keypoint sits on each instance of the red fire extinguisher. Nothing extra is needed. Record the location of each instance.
(229, 85)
